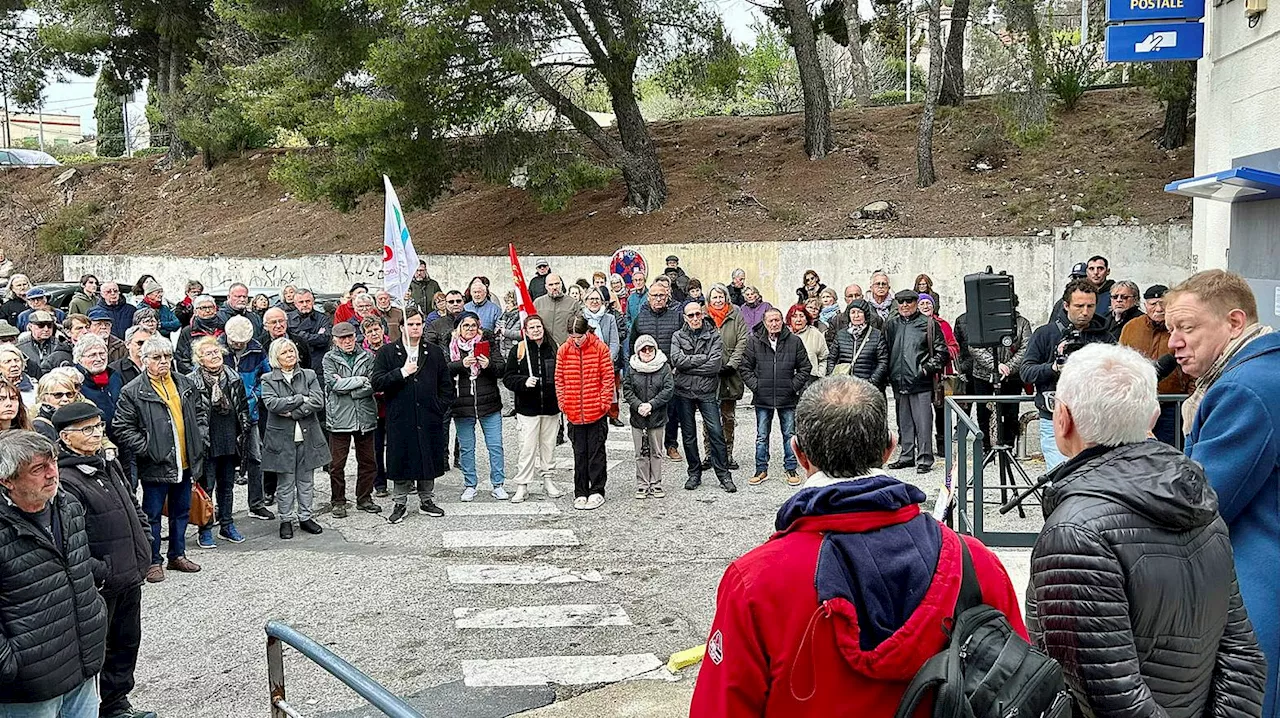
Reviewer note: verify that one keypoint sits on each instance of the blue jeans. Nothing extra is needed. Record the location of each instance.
(179, 497)
(79, 702)
(710, 409)
(1052, 457)
(491, 425)
(764, 427)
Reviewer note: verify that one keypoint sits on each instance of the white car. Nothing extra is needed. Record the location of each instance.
(26, 158)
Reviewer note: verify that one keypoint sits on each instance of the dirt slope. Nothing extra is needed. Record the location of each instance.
(730, 178)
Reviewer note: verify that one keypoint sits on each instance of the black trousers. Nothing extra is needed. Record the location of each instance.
(124, 637)
(589, 466)
(1008, 412)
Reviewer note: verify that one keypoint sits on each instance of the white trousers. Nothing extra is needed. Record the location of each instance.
(537, 446)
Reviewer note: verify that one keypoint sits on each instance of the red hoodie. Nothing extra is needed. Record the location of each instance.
(774, 651)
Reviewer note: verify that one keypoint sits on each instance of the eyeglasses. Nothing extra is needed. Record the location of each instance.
(61, 394)
(693, 315)
(879, 284)
(90, 430)
(1051, 401)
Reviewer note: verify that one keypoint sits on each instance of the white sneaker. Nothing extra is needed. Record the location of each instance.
(552, 491)
(521, 490)
(594, 501)
(468, 493)
(580, 502)
(500, 493)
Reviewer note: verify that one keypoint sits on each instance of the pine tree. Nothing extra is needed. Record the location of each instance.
(109, 113)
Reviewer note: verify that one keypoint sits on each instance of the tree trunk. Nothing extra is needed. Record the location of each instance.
(861, 78)
(1175, 123)
(818, 140)
(646, 186)
(953, 64)
(925, 175)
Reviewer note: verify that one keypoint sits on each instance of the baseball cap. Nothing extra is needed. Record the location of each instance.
(36, 293)
(1080, 269)
(1155, 291)
(343, 329)
(98, 314)
(542, 263)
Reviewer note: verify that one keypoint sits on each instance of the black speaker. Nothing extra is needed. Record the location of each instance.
(989, 317)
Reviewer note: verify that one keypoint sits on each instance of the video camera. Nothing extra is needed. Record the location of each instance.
(1072, 341)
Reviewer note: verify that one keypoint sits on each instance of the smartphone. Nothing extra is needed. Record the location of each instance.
(481, 349)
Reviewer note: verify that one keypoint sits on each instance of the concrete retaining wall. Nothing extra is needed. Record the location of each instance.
(1040, 265)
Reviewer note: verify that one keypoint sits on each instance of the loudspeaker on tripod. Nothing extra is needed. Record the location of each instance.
(989, 309)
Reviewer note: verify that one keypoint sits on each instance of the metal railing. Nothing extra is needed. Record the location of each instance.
(378, 696)
(966, 463)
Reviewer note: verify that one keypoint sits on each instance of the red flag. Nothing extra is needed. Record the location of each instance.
(523, 300)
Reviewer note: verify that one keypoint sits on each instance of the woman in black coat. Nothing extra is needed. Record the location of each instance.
(418, 395)
(479, 405)
(860, 346)
(811, 288)
(229, 425)
(531, 376)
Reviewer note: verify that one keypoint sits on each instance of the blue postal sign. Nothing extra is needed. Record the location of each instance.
(1155, 42)
(1149, 10)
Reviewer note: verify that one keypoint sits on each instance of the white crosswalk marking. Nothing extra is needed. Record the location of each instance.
(501, 508)
(519, 574)
(528, 537)
(627, 446)
(561, 670)
(574, 615)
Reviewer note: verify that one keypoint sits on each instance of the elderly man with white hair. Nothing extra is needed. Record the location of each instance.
(1133, 582)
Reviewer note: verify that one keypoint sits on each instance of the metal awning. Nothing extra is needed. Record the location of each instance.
(1240, 184)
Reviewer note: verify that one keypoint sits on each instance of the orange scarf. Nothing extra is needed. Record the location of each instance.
(719, 315)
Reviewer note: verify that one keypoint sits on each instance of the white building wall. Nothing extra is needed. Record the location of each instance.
(1237, 101)
(1146, 255)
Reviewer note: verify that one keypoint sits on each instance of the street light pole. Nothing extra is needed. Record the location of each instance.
(908, 44)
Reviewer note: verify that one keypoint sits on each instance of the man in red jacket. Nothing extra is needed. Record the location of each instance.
(836, 613)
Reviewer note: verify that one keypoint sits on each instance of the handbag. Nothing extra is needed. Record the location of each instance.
(939, 391)
(201, 506)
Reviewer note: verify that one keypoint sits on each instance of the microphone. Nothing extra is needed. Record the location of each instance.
(1165, 366)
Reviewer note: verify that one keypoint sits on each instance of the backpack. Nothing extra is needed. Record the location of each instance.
(987, 670)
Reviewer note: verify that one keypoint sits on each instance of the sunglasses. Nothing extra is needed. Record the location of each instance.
(907, 301)
(1122, 296)
(453, 301)
(42, 325)
(61, 394)
(694, 315)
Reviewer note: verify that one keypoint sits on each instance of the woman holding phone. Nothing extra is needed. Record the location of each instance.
(530, 374)
(476, 366)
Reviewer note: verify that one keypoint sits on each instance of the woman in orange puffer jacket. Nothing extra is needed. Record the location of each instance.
(584, 388)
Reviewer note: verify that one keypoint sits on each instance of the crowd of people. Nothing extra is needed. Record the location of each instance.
(177, 402)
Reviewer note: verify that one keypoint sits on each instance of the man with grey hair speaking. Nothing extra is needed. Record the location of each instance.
(1133, 583)
(837, 611)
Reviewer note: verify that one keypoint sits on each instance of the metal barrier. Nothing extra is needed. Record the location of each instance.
(279, 634)
(965, 464)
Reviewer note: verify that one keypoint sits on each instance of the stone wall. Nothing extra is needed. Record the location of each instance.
(1040, 264)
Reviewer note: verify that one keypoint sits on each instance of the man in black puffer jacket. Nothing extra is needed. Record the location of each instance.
(117, 539)
(53, 622)
(917, 352)
(776, 368)
(1133, 583)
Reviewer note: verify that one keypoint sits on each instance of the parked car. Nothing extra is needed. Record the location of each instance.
(60, 293)
(12, 157)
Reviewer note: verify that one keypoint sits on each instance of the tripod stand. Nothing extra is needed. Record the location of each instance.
(1007, 464)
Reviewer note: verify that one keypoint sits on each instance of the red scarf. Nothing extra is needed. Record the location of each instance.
(101, 379)
(719, 315)
(153, 303)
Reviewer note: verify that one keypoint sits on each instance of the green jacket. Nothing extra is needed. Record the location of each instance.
(349, 404)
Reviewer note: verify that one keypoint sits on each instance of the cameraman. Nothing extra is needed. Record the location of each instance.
(1050, 346)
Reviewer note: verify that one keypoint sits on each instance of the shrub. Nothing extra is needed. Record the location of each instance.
(1071, 68)
(553, 184)
(892, 97)
(73, 229)
(151, 152)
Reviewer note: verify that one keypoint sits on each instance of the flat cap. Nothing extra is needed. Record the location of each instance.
(907, 295)
(99, 314)
(343, 329)
(1155, 291)
(74, 413)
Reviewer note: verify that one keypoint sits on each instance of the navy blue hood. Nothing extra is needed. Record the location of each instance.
(874, 493)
